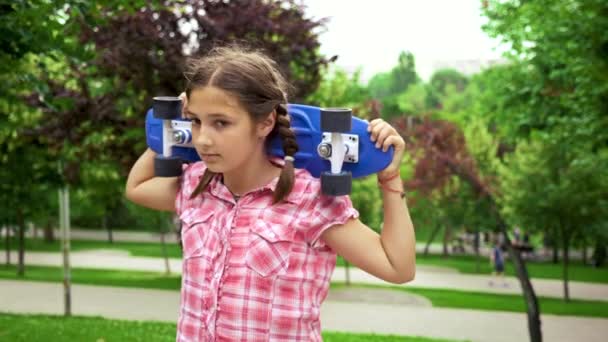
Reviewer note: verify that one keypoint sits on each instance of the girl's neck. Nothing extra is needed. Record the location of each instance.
(252, 176)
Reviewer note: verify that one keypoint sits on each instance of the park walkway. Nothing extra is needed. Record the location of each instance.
(414, 319)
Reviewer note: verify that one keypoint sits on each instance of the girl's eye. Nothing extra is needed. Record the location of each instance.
(221, 123)
(195, 121)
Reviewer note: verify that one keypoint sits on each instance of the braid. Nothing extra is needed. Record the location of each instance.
(290, 147)
(203, 183)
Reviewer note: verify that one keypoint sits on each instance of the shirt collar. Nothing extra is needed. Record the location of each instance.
(218, 189)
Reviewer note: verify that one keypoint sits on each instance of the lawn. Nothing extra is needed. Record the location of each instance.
(462, 263)
(47, 328)
(501, 302)
(439, 297)
(545, 270)
(143, 249)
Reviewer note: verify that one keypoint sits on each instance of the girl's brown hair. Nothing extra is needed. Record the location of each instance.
(253, 78)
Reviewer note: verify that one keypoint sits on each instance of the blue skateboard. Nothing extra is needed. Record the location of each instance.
(332, 144)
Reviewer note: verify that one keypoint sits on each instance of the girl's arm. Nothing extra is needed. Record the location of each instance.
(146, 190)
(390, 255)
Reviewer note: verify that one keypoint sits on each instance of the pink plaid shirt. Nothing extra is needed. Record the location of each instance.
(253, 271)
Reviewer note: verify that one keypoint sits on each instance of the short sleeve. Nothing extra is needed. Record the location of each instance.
(187, 183)
(325, 212)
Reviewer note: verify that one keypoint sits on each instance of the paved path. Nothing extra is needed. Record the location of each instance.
(426, 276)
(401, 319)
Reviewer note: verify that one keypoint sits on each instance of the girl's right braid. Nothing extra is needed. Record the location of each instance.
(290, 147)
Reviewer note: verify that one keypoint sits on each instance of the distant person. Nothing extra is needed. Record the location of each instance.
(498, 265)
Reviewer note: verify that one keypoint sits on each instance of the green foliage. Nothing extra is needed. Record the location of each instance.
(559, 76)
(414, 100)
(550, 186)
(77, 76)
(367, 199)
(339, 89)
(387, 87)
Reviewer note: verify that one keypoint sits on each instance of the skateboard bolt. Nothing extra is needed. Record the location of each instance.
(179, 137)
(324, 150)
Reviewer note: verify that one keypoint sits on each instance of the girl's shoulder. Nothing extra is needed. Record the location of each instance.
(193, 171)
(191, 175)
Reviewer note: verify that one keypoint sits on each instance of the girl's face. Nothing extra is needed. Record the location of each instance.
(223, 133)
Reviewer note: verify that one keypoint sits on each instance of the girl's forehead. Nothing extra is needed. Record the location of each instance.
(211, 99)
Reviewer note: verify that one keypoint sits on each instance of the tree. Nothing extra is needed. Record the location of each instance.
(339, 89)
(546, 191)
(386, 87)
(76, 84)
(445, 83)
(439, 150)
(554, 91)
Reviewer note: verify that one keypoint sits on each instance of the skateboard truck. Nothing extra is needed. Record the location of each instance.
(337, 146)
(174, 133)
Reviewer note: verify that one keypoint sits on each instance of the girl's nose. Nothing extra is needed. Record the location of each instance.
(202, 138)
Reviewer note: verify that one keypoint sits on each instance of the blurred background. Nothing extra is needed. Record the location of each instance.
(503, 106)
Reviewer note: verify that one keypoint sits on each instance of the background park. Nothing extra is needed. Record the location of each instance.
(515, 152)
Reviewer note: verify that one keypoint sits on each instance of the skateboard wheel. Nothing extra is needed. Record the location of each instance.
(336, 184)
(167, 166)
(336, 120)
(167, 107)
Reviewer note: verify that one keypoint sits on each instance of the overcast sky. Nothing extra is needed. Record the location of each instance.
(370, 34)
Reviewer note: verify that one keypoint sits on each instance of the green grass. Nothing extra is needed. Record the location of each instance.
(138, 279)
(143, 249)
(439, 297)
(58, 329)
(462, 263)
(544, 270)
(501, 302)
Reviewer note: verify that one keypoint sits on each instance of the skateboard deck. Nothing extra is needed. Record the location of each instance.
(362, 158)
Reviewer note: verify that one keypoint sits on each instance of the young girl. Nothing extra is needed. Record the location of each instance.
(259, 239)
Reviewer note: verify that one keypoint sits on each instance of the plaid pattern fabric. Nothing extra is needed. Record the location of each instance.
(253, 271)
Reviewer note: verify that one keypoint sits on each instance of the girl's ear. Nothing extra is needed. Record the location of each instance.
(265, 126)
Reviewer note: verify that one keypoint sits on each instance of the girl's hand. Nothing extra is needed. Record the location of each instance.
(386, 135)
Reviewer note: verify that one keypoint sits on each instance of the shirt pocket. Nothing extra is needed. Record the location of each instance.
(199, 235)
(269, 248)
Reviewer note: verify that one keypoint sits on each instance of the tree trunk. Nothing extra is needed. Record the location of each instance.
(163, 245)
(477, 258)
(533, 313)
(431, 238)
(446, 240)
(347, 272)
(555, 246)
(21, 259)
(566, 249)
(64, 225)
(585, 255)
(8, 244)
(49, 235)
(104, 226)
